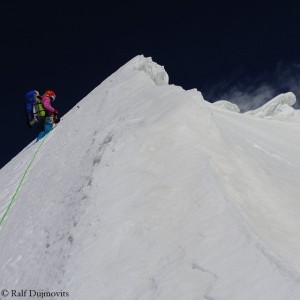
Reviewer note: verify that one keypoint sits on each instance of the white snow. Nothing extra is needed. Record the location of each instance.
(147, 191)
(156, 72)
(279, 107)
(224, 104)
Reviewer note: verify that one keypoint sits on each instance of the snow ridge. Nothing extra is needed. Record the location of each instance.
(147, 191)
(279, 107)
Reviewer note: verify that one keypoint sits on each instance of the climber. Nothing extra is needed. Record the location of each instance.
(51, 116)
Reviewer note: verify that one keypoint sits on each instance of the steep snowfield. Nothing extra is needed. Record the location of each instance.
(146, 191)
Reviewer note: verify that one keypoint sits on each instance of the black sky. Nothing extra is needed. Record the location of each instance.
(72, 46)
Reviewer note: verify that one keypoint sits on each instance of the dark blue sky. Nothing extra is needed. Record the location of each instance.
(222, 48)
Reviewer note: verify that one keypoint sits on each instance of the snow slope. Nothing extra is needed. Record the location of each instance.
(147, 191)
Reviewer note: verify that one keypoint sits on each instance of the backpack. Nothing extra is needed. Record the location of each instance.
(35, 112)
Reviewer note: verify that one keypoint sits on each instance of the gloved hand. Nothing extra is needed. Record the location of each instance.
(55, 112)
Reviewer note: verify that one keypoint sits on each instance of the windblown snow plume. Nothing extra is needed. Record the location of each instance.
(147, 191)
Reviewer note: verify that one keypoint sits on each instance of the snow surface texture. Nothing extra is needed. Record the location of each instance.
(146, 191)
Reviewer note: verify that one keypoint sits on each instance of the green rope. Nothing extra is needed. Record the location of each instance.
(21, 182)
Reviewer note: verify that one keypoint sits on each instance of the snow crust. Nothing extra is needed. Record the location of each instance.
(146, 191)
(224, 104)
(279, 107)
